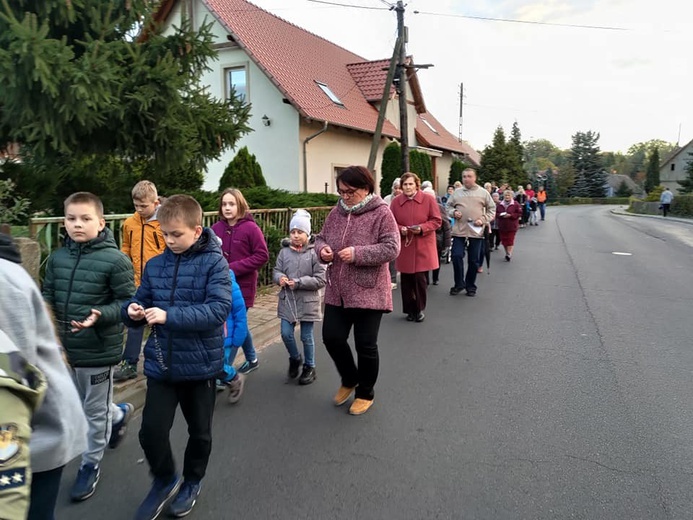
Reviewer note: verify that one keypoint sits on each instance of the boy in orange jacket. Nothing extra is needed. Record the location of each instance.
(142, 240)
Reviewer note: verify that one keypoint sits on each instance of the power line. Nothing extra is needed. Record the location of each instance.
(349, 5)
(529, 22)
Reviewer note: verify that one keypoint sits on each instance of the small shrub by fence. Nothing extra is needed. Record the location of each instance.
(681, 206)
(50, 231)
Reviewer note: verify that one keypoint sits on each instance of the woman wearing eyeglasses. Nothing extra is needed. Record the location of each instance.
(359, 239)
(418, 216)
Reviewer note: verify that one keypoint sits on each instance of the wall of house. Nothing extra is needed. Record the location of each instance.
(335, 148)
(274, 146)
(669, 177)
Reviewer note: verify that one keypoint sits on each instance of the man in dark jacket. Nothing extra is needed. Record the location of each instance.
(86, 283)
(185, 297)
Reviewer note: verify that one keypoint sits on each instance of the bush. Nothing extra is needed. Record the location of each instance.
(263, 197)
(242, 172)
(391, 167)
(682, 206)
(13, 209)
(588, 200)
(654, 195)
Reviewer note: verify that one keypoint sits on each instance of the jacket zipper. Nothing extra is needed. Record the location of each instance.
(69, 290)
(142, 252)
(156, 241)
(169, 347)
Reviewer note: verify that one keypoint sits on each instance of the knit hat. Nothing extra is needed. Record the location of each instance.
(396, 183)
(300, 221)
(426, 184)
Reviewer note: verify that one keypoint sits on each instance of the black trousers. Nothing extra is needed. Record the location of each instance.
(336, 325)
(196, 399)
(45, 486)
(414, 287)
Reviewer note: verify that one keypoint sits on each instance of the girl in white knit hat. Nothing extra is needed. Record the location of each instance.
(301, 276)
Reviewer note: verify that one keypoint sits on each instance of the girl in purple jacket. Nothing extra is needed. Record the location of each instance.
(245, 249)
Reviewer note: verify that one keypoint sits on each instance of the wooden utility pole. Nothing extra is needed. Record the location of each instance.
(402, 86)
(383, 105)
(461, 103)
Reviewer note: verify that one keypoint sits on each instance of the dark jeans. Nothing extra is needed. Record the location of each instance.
(133, 345)
(337, 324)
(475, 246)
(393, 272)
(665, 209)
(44, 494)
(413, 286)
(542, 210)
(196, 399)
(494, 240)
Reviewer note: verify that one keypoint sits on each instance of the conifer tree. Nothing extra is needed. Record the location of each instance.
(391, 167)
(590, 176)
(686, 185)
(456, 169)
(242, 172)
(652, 177)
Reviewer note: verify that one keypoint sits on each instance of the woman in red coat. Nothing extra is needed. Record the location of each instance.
(418, 216)
(508, 214)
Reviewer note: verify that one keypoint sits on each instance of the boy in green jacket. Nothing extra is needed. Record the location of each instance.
(86, 283)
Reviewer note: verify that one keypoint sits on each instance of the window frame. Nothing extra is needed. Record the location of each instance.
(226, 71)
(329, 93)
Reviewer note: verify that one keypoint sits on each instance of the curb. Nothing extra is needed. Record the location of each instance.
(264, 325)
(622, 212)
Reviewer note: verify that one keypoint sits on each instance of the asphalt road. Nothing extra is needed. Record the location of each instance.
(563, 390)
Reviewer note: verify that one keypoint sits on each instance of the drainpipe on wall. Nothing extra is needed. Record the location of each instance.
(305, 155)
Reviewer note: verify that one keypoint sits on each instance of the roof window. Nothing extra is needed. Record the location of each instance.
(330, 94)
(429, 125)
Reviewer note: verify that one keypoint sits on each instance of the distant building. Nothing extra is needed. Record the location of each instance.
(614, 182)
(673, 168)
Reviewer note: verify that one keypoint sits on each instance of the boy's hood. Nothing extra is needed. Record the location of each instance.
(9, 250)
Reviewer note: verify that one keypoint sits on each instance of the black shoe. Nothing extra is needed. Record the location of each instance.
(507, 258)
(294, 365)
(455, 291)
(471, 293)
(420, 317)
(410, 316)
(307, 376)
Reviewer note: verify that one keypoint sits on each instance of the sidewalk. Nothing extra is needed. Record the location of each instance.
(621, 210)
(263, 324)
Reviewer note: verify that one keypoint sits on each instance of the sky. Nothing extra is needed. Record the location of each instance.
(631, 83)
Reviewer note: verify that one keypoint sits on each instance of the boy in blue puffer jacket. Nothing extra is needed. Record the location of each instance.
(185, 297)
(235, 332)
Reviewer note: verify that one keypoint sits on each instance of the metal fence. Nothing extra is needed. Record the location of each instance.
(50, 231)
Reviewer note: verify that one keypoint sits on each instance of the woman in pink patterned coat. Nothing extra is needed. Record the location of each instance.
(358, 239)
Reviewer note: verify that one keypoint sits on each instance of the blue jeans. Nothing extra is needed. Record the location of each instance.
(306, 338)
(542, 210)
(133, 345)
(475, 246)
(248, 350)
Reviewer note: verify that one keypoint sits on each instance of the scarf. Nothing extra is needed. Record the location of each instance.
(358, 206)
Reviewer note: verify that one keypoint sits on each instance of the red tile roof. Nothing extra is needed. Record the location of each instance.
(370, 76)
(442, 139)
(294, 59)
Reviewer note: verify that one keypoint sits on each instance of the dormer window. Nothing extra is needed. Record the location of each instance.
(330, 94)
(429, 125)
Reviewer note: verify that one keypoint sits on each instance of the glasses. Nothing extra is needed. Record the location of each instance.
(347, 193)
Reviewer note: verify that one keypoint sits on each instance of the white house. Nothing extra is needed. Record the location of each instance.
(314, 104)
(673, 168)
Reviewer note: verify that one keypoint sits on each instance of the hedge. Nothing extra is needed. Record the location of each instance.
(569, 201)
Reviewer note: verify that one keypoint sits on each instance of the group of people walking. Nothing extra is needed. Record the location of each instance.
(191, 287)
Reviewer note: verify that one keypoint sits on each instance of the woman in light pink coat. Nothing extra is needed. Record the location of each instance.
(418, 216)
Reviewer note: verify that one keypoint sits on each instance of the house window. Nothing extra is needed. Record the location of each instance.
(330, 94)
(429, 125)
(672, 167)
(236, 77)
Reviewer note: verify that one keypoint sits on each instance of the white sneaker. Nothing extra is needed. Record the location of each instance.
(393, 286)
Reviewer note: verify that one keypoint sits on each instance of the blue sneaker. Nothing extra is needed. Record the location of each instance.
(119, 429)
(85, 483)
(248, 366)
(185, 499)
(155, 501)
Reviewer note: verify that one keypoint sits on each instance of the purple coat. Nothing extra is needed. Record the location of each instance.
(245, 249)
(372, 232)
